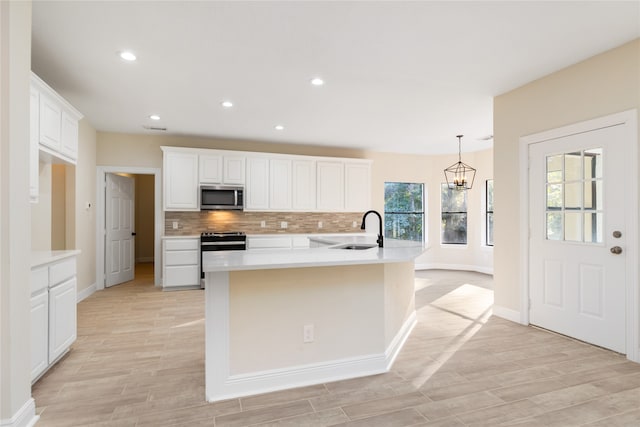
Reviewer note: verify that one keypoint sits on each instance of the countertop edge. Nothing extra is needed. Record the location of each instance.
(40, 258)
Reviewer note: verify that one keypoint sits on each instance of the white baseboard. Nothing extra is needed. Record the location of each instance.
(86, 292)
(507, 313)
(145, 259)
(317, 373)
(462, 267)
(25, 417)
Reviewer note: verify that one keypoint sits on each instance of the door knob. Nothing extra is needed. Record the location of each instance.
(617, 234)
(616, 250)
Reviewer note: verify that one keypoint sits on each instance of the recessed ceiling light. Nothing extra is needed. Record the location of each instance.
(278, 127)
(227, 104)
(317, 81)
(154, 117)
(128, 56)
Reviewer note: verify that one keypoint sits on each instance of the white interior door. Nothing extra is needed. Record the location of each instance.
(120, 247)
(577, 257)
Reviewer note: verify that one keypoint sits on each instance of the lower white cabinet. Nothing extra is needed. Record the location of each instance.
(62, 318)
(53, 313)
(39, 333)
(181, 262)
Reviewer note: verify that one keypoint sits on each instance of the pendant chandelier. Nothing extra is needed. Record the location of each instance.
(459, 175)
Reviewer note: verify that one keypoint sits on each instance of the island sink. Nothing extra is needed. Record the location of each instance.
(355, 246)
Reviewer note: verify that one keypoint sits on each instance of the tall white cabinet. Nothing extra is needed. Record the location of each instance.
(180, 179)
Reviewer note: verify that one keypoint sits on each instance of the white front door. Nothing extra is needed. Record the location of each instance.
(577, 256)
(119, 253)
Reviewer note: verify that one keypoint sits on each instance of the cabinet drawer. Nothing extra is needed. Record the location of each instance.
(181, 244)
(181, 258)
(62, 271)
(185, 275)
(39, 279)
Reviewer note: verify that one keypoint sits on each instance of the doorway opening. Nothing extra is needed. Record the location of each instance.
(147, 222)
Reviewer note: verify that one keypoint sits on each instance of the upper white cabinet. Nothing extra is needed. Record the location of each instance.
(280, 184)
(357, 185)
(257, 188)
(210, 169)
(272, 182)
(233, 172)
(330, 186)
(180, 178)
(303, 193)
(55, 126)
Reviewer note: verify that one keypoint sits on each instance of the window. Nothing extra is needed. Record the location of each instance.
(489, 213)
(404, 211)
(454, 216)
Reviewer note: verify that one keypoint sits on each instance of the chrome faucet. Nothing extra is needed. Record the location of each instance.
(362, 227)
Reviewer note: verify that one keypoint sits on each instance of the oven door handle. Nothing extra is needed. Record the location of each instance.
(224, 243)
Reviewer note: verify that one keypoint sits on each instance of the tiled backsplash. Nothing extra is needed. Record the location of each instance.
(193, 223)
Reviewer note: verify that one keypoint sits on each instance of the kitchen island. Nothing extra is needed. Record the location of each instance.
(287, 318)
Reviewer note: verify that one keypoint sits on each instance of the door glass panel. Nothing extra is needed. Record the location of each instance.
(574, 196)
(554, 225)
(572, 166)
(554, 168)
(593, 163)
(573, 227)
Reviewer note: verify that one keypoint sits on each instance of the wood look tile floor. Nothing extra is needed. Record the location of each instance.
(139, 361)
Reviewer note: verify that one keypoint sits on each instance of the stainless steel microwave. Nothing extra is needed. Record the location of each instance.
(221, 197)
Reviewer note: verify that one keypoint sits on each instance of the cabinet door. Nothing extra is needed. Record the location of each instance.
(69, 136)
(233, 171)
(210, 169)
(304, 185)
(62, 318)
(330, 184)
(357, 182)
(39, 333)
(34, 135)
(181, 181)
(50, 121)
(257, 188)
(280, 184)
(181, 262)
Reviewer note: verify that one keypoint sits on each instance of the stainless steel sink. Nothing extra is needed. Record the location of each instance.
(355, 246)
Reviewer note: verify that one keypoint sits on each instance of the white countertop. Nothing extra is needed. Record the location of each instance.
(394, 251)
(39, 258)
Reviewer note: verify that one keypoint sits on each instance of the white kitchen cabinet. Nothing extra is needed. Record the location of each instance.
(180, 178)
(303, 195)
(330, 186)
(39, 333)
(55, 124)
(53, 312)
(257, 188)
(210, 169)
(233, 170)
(34, 135)
(69, 136)
(62, 318)
(181, 262)
(280, 184)
(357, 186)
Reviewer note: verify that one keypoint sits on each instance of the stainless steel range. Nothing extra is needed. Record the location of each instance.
(221, 241)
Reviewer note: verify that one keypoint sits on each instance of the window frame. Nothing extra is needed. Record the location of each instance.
(423, 213)
(465, 212)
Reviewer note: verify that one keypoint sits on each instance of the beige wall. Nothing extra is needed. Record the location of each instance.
(58, 207)
(41, 211)
(144, 151)
(85, 202)
(144, 217)
(605, 84)
(15, 222)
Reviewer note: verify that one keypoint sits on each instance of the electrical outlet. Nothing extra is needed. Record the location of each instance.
(283, 224)
(308, 333)
(319, 224)
(175, 225)
(263, 224)
(355, 224)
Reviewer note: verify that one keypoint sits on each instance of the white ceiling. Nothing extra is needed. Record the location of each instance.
(400, 76)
